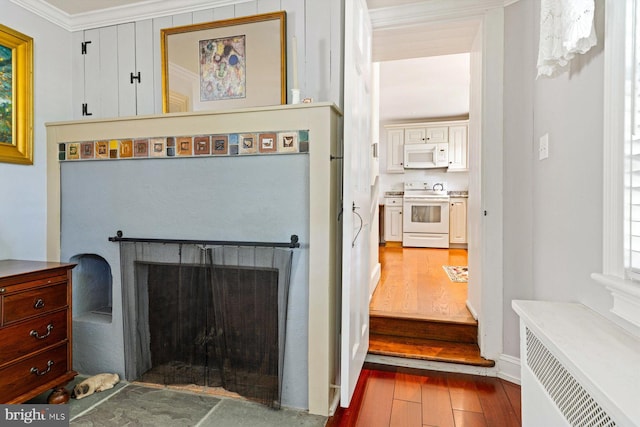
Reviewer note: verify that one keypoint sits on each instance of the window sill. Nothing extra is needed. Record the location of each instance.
(626, 296)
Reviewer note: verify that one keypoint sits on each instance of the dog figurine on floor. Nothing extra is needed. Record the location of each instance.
(95, 384)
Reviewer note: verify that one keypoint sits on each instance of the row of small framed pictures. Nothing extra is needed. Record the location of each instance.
(200, 145)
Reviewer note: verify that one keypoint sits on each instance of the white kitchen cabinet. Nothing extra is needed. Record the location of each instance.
(458, 220)
(428, 134)
(415, 135)
(393, 219)
(436, 135)
(458, 148)
(395, 151)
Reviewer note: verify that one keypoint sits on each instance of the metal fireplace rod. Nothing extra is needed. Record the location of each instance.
(292, 244)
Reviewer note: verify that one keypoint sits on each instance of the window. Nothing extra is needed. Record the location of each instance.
(621, 195)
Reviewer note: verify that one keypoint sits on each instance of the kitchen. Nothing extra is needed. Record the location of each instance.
(424, 151)
(424, 182)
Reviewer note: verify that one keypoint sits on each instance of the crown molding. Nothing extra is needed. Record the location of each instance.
(432, 11)
(117, 15)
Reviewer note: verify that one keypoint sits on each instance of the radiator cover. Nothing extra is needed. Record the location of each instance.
(574, 402)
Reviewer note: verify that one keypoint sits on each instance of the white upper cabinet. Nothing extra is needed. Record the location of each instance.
(415, 135)
(395, 150)
(454, 134)
(458, 148)
(431, 135)
(438, 134)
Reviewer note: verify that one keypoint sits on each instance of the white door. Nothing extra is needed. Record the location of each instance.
(356, 197)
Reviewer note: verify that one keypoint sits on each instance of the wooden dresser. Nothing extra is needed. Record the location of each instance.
(35, 330)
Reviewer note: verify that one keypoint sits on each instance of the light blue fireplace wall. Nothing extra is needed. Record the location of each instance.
(243, 198)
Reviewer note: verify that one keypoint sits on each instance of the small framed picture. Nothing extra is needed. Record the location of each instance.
(220, 144)
(126, 148)
(157, 147)
(184, 145)
(141, 148)
(248, 143)
(288, 142)
(102, 150)
(268, 143)
(201, 145)
(86, 150)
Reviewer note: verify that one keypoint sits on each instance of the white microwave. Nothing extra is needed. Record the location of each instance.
(426, 156)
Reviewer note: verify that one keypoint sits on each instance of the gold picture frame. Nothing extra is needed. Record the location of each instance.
(220, 65)
(16, 97)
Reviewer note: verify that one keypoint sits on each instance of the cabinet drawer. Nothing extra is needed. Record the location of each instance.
(33, 372)
(26, 337)
(22, 305)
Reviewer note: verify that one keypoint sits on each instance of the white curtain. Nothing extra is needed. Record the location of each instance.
(566, 29)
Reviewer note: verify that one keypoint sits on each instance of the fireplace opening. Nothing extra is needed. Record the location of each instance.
(211, 317)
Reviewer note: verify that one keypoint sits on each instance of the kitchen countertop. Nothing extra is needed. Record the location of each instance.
(393, 193)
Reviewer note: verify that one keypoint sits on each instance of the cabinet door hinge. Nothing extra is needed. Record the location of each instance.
(85, 110)
(83, 49)
(135, 77)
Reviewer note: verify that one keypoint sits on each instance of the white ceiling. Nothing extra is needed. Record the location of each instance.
(438, 31)
(424, 88)
(73, 7)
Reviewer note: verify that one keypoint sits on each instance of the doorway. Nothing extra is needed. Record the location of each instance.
(435, 36)
(434, 91)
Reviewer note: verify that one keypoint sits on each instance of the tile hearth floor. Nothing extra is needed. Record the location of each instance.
(130, 404)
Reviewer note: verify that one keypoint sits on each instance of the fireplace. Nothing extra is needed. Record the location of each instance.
(257, 197)
(208, 316)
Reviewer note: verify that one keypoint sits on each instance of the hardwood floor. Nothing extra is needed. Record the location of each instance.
(417, 312)
(400, 397)
(414, 283)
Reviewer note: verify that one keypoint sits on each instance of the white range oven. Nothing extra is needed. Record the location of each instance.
(425, 215)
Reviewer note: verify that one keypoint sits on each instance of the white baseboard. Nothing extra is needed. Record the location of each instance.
(472, 310)
(429, 365)
(375, 279)
(509, 368)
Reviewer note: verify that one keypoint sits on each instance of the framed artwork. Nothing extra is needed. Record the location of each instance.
(234, 63)
(16, 97)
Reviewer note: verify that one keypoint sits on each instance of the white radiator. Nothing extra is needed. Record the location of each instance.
(578, 369)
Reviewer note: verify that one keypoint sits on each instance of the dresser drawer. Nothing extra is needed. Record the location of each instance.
(22, 305)
(26, 337)
(22, 377)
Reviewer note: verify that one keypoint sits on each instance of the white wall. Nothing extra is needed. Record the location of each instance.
(23, 209)
(553, 207)
(519, 150)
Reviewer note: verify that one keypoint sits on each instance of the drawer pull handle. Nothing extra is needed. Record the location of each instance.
(37, 336)
(2, 290)
(36, 371)
(39, 303)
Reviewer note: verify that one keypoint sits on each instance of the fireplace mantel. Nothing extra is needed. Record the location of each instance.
(318, 243)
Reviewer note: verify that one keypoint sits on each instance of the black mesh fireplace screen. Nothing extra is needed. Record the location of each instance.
(208, 316)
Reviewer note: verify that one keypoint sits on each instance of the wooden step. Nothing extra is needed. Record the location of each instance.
(411, 326)
(432, 350)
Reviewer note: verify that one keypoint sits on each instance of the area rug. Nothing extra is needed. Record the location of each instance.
(457, 273)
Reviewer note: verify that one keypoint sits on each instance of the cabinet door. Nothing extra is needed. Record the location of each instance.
(458, 148)
(395, 151)
(414, 135)
(437, 134)
(392, 223)
(458, 220)
(103, 74)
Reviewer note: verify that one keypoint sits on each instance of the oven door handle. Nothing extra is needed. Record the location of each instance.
(425, 201)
